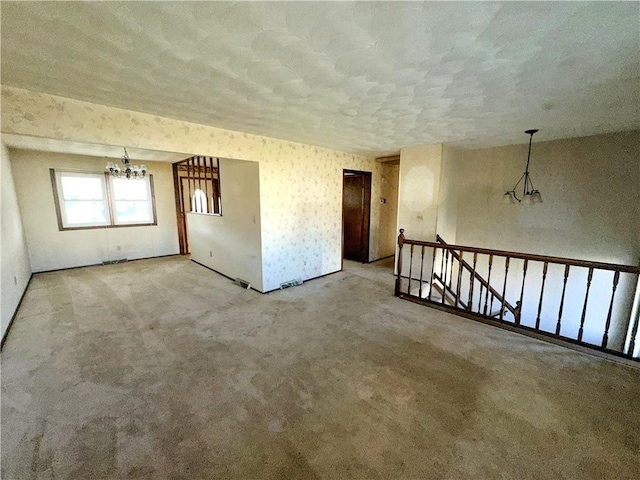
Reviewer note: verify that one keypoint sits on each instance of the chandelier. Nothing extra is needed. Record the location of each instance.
(530, 195)
(129, 171)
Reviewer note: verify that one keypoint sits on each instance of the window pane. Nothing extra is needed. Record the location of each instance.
(132, 189)
(81, 187)
(85, 212)
(133, 212)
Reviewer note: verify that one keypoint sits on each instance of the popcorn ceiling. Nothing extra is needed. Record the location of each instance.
(365, 78)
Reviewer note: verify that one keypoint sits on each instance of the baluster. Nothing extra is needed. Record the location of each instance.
(410, 268)
(544, 279)
(400, 245)
(605, 337)
(433, 264)
(472, 280)
(444, 278)
(632, 341)
(584, 307)
(486, 300)
(459, 279)
(564, 289)
(524, 277)
(504, 287)
(421, 268)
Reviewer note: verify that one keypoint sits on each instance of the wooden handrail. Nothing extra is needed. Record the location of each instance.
(478, 277)
(479, 307)
(529, 256)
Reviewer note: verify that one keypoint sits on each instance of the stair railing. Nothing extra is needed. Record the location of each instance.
(577, 301)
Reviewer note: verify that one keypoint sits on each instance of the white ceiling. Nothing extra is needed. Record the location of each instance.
(359, 77)
(53, 145)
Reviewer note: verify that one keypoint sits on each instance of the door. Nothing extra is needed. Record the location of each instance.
(356, 200)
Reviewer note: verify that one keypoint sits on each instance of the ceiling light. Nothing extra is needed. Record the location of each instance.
(129, 170)
(530, 195)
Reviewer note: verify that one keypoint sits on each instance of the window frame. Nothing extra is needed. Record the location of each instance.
(108, 201)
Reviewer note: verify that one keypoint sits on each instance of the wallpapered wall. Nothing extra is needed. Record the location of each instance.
(301, 185)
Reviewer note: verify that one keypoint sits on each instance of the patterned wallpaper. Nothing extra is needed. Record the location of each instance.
(301, 185)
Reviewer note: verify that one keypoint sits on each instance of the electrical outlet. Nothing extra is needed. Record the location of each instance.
(210, 253)
(15, 280)
(119, 247)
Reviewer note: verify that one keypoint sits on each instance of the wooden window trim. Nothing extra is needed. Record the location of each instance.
(109, 196)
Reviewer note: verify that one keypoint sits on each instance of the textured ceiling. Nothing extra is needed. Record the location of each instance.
(358, 77)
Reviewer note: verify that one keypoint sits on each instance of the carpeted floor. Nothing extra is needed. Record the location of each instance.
(164, 369)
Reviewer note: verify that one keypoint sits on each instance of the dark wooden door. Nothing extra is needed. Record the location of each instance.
(356, 200)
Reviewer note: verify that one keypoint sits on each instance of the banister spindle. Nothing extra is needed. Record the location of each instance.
(524, 278)
(400, 245)
(632, 341)
(410, 269)
(584, 307)
(472, 279)
(544, 279)
(444, 277)
(504, 287)
(605, 337)
(459, 285)
(564, 289)
(421, 268)
(486, 300)
(433, 264)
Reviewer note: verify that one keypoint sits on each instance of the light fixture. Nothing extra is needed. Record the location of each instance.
(129, 171)
(530, 195)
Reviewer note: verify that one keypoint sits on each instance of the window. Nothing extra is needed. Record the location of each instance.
(97, 200)
(199, 202)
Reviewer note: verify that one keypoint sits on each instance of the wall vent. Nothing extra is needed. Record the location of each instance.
(111, 262)
(291, 283)
(243, 283)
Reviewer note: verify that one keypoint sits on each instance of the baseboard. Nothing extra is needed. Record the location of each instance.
(380, 259)
(225, 276)
(15, 313)
(106, 265)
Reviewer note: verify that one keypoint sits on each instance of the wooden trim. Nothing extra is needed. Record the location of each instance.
(478, 277)
(108, 185)
(178, 202)
(15, 313)
(153, 200)
(69, 229)
(105, 265)
(366, 214)
(220, 197)
(56, 198)
(529, 332)
(392, 159)
(528, 256)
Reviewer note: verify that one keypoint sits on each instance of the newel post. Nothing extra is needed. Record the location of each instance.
(400, 244)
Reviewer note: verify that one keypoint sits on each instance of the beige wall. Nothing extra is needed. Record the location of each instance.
(591, 211)
(231, 243)
(418, 198)
(447, 221)
(51, 249)
(589, 185)
(389, 209)
(300, 185)
(14, 264)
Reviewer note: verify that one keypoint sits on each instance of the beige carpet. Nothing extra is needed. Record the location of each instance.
(164, 369)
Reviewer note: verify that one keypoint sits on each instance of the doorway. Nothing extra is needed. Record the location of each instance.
(197, 190)
(356, 209)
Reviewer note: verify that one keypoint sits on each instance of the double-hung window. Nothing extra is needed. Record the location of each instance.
(96, 200)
